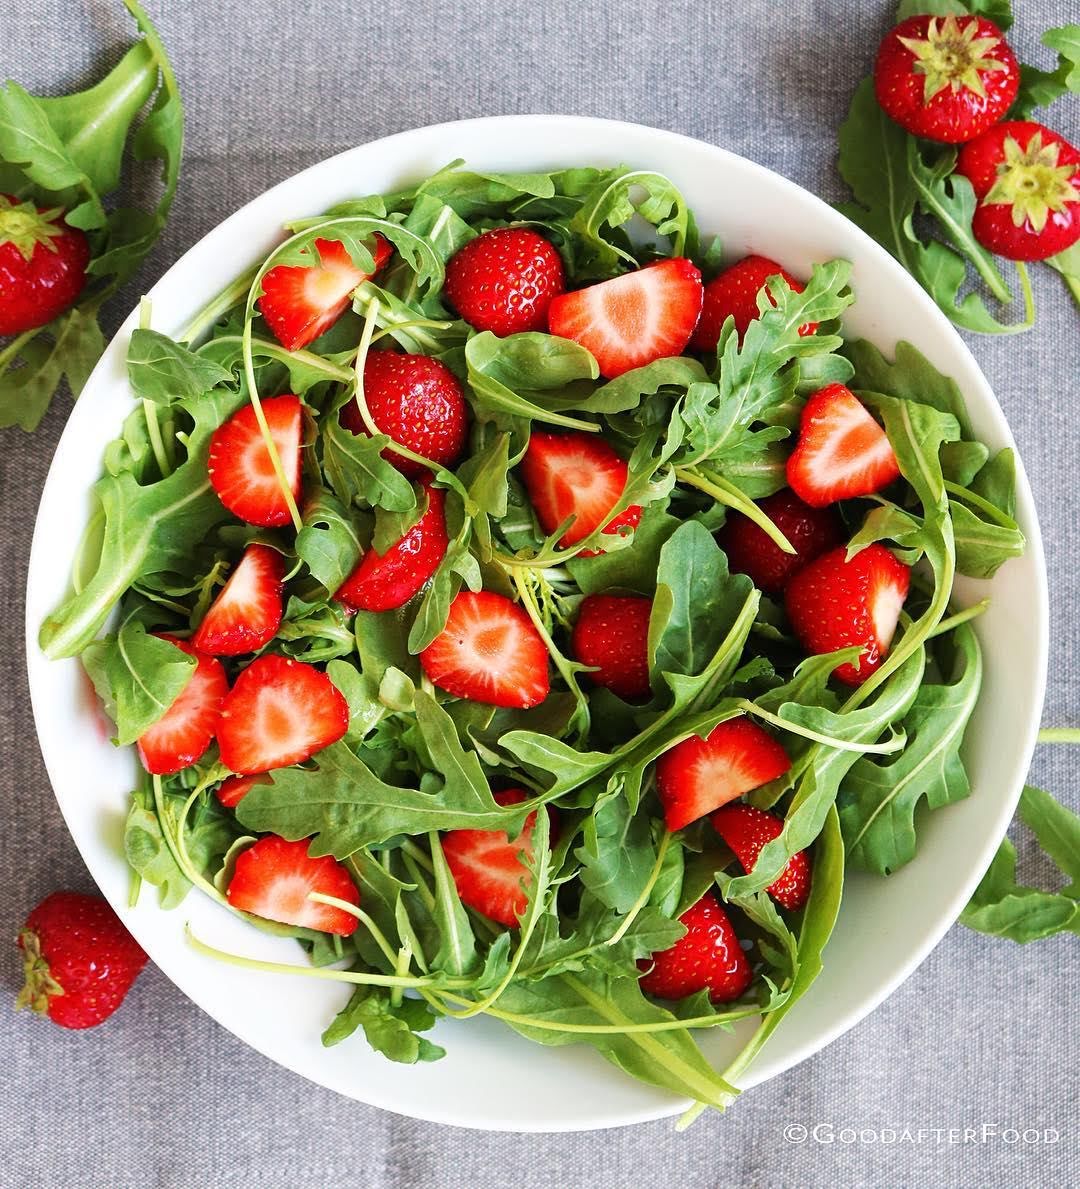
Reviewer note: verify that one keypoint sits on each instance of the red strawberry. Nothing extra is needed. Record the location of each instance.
(746, 830)
(247, 612)
(504, 280)
(489, 652)
(42, 265)
(79, 960)
(233, 790)
(946, 79)
(384, 581)
(579, 475)
(279, 712)
(241, 470)
(750, 551)
(488, 872)
(841, 453)
(418, 403)
(834, 603)
(633, 319)
(1027, 181)
(273, 878)
(698, 775)
(707, 957)
(735, 292)
(187, 728)
(612, 635)
(300, 302)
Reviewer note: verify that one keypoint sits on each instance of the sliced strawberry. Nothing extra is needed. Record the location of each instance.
(279, 712)
(746, 829)
(489, 867)
(698, 775)
(300, 302)
(734, 293)
(384, 581)
(579, 475)
(417, 401)
(612, 636)
(489, 652)
(187, 728)
(234, 789)
(707, 957)
(247, 612)
(751, 551)
(835, 603)
(633, 319)
(241, 470)
(274, 877)
(842, 452)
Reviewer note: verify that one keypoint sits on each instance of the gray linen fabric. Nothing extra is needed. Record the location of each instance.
(983, 1033)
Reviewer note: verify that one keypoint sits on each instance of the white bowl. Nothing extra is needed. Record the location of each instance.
(491, 1078)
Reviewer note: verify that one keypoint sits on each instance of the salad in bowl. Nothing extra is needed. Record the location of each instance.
(532, 609)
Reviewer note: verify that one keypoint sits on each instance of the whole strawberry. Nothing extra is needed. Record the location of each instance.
(612, 636)
(42, 265)
(707, 957)
(734, 293)
(946, 78)
(504, 280)
(1027, 182)
(80, 961)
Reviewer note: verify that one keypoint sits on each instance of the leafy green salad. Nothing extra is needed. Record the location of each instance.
(533, 616)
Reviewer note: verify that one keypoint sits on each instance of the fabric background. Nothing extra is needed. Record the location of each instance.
(984, 1032)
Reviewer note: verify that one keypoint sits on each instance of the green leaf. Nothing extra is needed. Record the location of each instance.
(1040, 88)
(137, 676)
(149, 854)
(357, 470)
(617, 853)
(328, 543)
(998, 11)
(1057, 831)
(911, 376)
(390, 1029)
(165, 371)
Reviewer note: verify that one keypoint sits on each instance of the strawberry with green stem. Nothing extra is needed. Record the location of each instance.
(42, 265)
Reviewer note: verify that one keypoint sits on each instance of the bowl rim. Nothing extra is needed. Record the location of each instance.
(521, 124)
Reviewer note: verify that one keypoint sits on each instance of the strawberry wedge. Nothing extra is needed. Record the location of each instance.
(241, 470)
(247, 612)
(633, 319)
(187, 728)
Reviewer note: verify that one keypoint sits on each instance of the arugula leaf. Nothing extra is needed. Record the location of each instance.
(357, 470)
(1040, 88)
(328, 543)
(164, 371)
(390, 1029)
(148, 853)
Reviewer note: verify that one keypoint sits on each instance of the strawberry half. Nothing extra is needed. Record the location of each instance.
(579, 475)
(707, 957)
(734, 293)
(301, 302)
(612, 636)
(186, 729)
(750, 551)
(746, 829)
(384, 581)
(489, 652)
(489, 867)
(841, 453)
(279, 712)
(698, 775)
(241, 471)
(273, 877)
(416, 401)
(234, 789)
(504, 280)
(835, 603)
(633, 319)
(246, 614)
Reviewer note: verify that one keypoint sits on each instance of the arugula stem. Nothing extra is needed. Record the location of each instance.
(1059, 735)
(11, 351)
(731, 497)
(954, 621)
(646, 891)
(216, 308)
(402, 965)
(430, 323)
(353, 910)
(892, 745)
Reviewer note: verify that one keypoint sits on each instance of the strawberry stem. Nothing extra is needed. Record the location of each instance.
(1059, 735)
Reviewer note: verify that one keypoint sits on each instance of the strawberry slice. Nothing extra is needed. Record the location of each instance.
(835, 603)
(241, 471)
(186, 729)
(301, 302)
(633, 319)
(279, 712)
(612, 636)
(489, 652)
(579, 475)
(707, 957)
(274, 877)
(489, 867)
(698, 775)
(234, 789)
(247, 612)
(385, 581)
(842, 452)
(746, 829)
